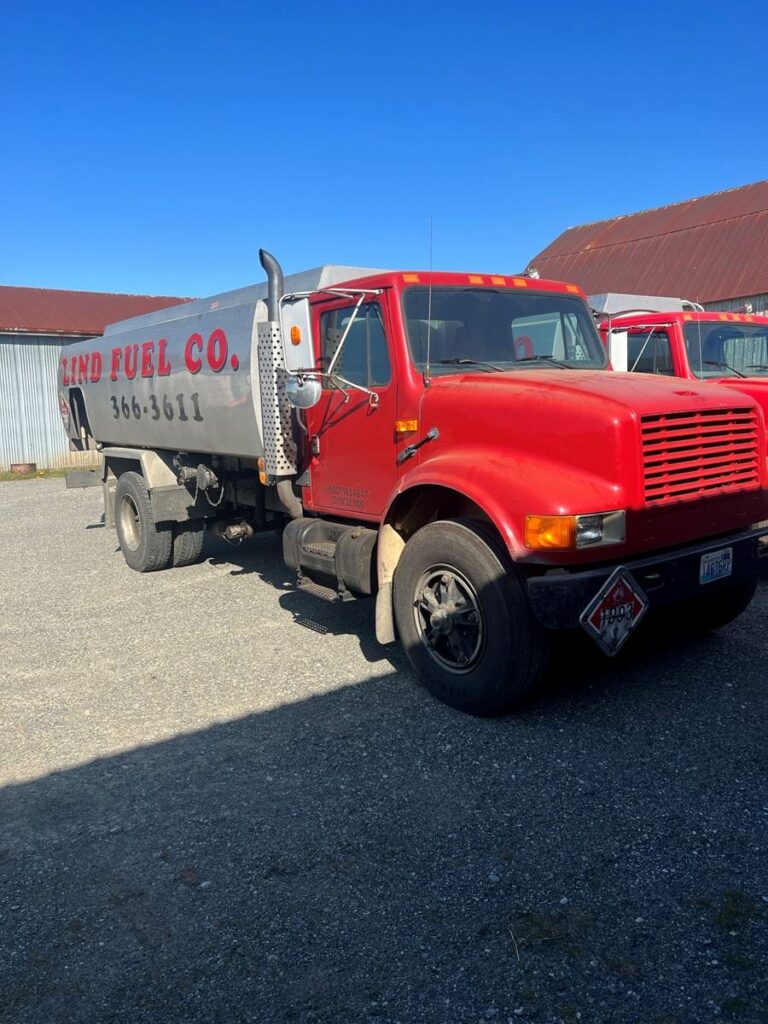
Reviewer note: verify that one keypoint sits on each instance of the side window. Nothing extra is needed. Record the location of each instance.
(650, 352)
(556, 334)
(364, 358)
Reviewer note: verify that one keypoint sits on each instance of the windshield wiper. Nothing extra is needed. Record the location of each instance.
(469, 362)
(757, 366)
(725, 366)
(543, 359)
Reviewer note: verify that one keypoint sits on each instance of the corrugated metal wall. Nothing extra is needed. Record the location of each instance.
(30, 426)
(759, 304)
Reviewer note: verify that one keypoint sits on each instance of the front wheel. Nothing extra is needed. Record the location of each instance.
(464, 618)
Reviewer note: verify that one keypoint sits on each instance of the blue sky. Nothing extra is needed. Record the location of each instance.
(154, 147)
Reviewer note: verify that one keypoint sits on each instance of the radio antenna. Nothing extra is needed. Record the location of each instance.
(429, 307)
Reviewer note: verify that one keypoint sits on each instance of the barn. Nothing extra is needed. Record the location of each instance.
(35, 324)
(712, 250)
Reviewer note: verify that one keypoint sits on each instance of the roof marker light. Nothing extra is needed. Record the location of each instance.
(476, 279)
(411, 278)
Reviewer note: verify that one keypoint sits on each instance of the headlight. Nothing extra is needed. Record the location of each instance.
(589, 530)
(563, 533)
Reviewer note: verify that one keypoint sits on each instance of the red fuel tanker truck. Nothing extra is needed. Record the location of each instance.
(451, 444)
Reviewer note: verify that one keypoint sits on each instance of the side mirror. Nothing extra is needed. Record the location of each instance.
(303, 392)
(618, 350)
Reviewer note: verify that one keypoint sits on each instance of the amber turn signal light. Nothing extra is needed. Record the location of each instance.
(550, 532)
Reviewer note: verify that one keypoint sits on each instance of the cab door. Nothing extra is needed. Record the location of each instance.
(649, 351)
(351, 434)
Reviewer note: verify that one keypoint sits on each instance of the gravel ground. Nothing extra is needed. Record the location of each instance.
(222, 802)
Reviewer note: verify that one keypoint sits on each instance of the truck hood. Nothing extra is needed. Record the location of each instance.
(569, 442)
(755, 387)
(608, 392)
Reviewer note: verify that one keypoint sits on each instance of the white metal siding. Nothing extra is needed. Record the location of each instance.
(30, 425)
(759, 304)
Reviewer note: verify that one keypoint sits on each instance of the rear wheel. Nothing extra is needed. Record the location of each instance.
(464, 619)
(720, 607)
(146, 546)
(187, 543)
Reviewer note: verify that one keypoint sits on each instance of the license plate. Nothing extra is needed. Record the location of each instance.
(614, 612)
(716, 565)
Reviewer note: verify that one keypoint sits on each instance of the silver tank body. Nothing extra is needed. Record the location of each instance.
(184, 378)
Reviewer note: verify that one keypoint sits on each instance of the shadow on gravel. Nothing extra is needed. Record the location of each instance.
(369, 855)
(262, 556)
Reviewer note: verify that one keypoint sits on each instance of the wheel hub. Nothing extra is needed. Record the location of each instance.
(449, 618)
(130, 522)
(440, 620)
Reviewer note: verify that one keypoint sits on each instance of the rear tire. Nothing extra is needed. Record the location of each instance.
(187, 543)
(146, 546)
(464, 619)
(722, 606)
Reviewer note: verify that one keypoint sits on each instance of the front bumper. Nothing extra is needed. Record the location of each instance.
(559, 598)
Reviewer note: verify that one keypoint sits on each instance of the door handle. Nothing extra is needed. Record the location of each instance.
(410, 451)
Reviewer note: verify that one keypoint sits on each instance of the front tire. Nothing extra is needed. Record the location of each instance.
(464, 619)
(146, 546)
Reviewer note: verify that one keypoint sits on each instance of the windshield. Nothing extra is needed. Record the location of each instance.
(717, 349)
(501, 329)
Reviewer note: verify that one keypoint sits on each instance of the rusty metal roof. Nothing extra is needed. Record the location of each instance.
(705, 249)
(86, 314)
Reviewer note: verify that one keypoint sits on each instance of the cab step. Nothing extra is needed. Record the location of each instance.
(318, 590)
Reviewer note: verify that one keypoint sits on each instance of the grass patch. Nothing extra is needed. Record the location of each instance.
(40, 474)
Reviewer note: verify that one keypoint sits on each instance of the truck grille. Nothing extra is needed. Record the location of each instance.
(687, 456)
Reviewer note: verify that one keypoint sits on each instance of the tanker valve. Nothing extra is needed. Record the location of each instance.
(187, 475)
(206, 478)
(235, 533)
